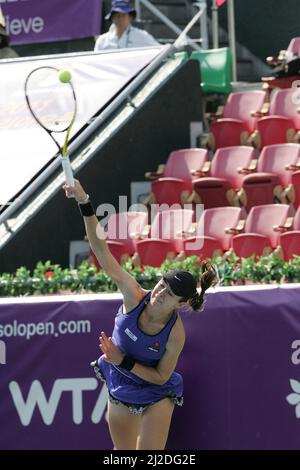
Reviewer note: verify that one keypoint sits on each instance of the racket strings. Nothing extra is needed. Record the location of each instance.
(51, 101)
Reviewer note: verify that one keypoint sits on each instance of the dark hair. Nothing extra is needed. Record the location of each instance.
(208, 278)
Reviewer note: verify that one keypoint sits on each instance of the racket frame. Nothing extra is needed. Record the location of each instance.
(63, 150)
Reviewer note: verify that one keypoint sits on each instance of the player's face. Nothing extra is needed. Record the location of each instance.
(163, 298)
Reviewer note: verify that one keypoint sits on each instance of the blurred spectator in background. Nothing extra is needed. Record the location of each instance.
(287, 64)
(6, 52)
(122, 34)
(290, 66)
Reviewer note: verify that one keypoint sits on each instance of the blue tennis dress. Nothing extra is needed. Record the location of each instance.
(123, 385)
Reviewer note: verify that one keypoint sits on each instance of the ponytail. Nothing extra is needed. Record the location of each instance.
(196, 301)
(208, 278)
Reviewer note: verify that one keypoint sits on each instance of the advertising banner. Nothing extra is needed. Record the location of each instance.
(240, 366)
(34, 21)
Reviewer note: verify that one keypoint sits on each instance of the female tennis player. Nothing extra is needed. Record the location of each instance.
(138, 360)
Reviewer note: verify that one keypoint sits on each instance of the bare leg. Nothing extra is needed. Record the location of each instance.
(124, 427)
(155, 427)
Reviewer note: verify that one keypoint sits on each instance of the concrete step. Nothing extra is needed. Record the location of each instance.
(162, 31)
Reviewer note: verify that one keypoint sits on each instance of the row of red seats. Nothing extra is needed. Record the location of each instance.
(247, 118)
(217, 231)
(234, 177)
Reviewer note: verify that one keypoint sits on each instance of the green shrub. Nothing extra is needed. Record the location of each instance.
(48, 278)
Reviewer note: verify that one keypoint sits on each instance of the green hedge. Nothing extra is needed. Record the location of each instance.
(48, 278)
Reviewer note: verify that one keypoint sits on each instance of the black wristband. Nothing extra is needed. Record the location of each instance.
(127, 363)
(86, 209)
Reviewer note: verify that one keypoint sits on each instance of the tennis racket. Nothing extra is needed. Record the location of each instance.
(53, 105)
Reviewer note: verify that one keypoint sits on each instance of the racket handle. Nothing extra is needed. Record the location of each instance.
(67, 170)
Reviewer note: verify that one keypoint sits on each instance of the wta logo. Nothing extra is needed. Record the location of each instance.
(76, 388)
(2, 353)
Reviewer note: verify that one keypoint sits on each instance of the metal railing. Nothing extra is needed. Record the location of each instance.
(201, 16)
(231, 32)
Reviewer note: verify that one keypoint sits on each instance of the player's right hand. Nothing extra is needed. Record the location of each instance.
(77, 191)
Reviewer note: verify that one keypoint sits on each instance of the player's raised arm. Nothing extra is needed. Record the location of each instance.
(129, 287)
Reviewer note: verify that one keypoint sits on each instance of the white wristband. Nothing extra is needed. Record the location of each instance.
(85, 200)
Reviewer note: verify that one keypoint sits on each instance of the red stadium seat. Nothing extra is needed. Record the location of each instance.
(220, 224)
(172, 225)
(290, 244)
(122, 232)
(251, 244)
(280, 160)
(232, 163)
(296, 186)
(238, 120)
(203, 247)
(117, 249)
(183, 164)
(170, 191)
(125, 228)
(213, 232)
(277, 160)
(166, 236)
(174, 185)
(227, 172)
(283, 121)
(212, 192)
(153, 251)
(259, 189)
(292, 192)
(296, 222)
(267, 221)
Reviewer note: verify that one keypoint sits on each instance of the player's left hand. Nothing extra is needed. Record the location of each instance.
(110, 351)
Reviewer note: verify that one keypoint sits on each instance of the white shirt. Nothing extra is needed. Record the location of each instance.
(132, 37)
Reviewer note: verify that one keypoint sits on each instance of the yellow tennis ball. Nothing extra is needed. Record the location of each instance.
(65, 76)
